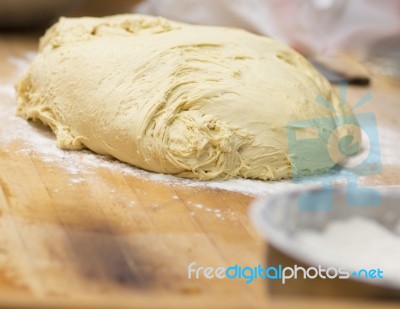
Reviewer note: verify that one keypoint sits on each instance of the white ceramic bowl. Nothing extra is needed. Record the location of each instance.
(280, 220)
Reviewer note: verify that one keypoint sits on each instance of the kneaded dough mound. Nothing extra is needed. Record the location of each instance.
(193, 101)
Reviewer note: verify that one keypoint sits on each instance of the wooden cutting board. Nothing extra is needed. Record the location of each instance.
(117, 240)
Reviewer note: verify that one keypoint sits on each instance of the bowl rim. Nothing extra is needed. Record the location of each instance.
(300, 252)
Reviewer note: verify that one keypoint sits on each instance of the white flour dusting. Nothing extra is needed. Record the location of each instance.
(34, 140)
(357, 243)
(21, 64)
(8, 90)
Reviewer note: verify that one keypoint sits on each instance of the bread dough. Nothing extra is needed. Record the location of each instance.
(193, 101)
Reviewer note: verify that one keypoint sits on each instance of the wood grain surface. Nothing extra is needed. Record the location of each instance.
(119, 241)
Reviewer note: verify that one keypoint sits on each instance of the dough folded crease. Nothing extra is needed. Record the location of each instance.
(194, 101)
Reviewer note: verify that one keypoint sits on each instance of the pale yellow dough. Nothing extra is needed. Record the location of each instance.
(193, 101)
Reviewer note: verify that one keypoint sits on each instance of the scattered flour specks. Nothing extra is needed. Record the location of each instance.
(37, 141)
